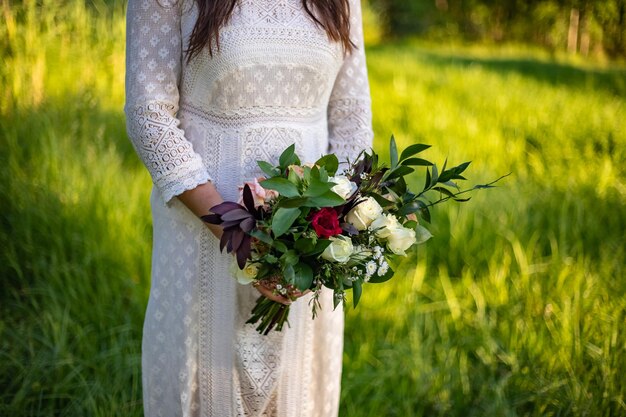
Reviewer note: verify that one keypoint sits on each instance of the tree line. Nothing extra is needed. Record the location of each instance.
(587, 27)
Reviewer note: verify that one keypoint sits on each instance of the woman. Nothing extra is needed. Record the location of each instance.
(212, 87)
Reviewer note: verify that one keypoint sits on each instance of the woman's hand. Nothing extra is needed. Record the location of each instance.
(267, 289)
(200, 200)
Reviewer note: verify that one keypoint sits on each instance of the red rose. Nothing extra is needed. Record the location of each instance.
(326, 223)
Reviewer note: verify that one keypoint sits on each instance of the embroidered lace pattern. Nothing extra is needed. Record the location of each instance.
(276, 80)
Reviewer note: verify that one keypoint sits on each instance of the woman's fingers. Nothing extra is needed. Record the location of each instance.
(269, 293)
(268, 290)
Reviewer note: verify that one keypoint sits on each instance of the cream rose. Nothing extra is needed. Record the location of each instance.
(344, 188)
(246, 275)
(400, 240)
(364, 213)
(384, 225)
(339, 250)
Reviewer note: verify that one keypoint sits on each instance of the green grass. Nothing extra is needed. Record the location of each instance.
(517, 306)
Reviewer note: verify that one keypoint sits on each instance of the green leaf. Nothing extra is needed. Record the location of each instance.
(320, 246)
(411, 224)
(416, 162)
(381, 200)
(399, 172)
(292, 202)
(400, 187)
(330, 162)
(290, 257)
(268, 168)
(284, 187)
(283, 219)
(303, 276)
(304, 245)
(357, 290)
(328, 199)
(393, 152)
(262, 236)
(425, 214)
(289, 273)
(413, 149)
(435, 176)
(421, 234)
(445, 191)
(427, 182)
(279, 246)
(288, 156)
(317, 187)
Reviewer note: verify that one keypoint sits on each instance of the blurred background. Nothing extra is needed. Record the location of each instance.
(516, 307)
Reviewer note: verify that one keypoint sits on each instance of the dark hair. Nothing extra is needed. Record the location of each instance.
(331, 15)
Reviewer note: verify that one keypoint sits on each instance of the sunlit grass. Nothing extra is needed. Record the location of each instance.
(516, 307)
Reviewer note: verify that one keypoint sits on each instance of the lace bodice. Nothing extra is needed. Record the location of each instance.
(274, 62)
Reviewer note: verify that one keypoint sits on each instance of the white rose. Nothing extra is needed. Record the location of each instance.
(339, 249)
(247, 274)
(364, 213)
(384, 225)
(344, 188)
(400, 240)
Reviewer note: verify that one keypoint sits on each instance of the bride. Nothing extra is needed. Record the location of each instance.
(212, 87)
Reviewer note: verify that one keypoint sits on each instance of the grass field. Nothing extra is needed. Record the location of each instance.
(517, 306)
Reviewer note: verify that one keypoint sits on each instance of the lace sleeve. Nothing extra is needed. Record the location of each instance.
(349, 108)
(153, 66)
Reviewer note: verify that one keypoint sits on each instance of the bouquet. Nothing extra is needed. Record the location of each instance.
(307, 226)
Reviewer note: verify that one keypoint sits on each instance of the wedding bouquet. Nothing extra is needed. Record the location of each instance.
(307, 226)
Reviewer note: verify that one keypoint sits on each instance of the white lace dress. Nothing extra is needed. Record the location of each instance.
(276, 80)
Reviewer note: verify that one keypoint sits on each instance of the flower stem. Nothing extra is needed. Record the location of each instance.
(271, 314)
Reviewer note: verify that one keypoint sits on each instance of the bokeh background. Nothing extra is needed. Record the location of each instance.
(516, 307)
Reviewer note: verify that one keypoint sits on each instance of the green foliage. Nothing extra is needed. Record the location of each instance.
(515, 307)
(598, 25)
